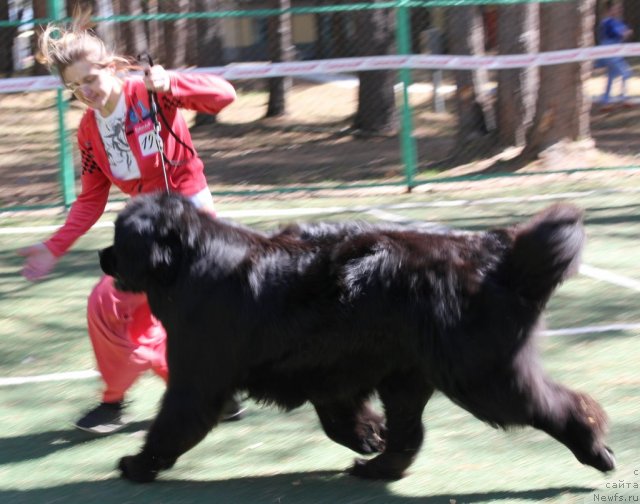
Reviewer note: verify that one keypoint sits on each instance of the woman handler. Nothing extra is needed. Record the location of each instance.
(117, 144)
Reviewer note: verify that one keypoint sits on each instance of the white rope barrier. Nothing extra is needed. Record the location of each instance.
(238, 71)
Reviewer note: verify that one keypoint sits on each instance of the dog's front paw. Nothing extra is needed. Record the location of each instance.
(138, 468)
(378, 468)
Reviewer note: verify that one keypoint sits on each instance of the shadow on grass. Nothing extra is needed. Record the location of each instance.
(282, 487)
(612, 220)
(36, 446)
(299, 488)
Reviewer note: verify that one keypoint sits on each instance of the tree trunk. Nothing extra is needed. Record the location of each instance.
(132, 39)
(39, 12)
(339, 40)
(97, 8)
(632, 18)
(280, 47)
(156, 31)
(420, 21)
(475, 115)
(518, 33)
(175, 34)
(209, 48)
(72, 5)
(376, 113)
(562, 111)
(106, 30)
(7, 35)
(209, 34)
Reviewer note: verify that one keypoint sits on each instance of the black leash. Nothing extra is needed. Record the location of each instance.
(153, 104)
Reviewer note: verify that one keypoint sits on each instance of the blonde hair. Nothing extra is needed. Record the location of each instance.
(60, 47)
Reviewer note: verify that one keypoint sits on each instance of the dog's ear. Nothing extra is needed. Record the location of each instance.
(166, 257)
(108, 261)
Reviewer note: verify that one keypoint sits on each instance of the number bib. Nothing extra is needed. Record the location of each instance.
(146, 138)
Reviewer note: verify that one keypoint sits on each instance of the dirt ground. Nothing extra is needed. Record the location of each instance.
(310, 147)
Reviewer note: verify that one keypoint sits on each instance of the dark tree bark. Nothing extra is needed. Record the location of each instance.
(131, 38)
(632, 17)
(338, 39)
(476, 118)
(7, 36)
(175, 34)
(377, 112)
(280, 49)
(518, 33)
(562, 111)
(209, 47)
(106, 30)
(72, 5)
(420, 21)
(39, 12)
(156, 31)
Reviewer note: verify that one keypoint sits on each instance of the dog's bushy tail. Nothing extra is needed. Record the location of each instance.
(545, 251)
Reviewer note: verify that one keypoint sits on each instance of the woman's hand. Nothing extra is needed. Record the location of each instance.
(156, 78)
(38, 263)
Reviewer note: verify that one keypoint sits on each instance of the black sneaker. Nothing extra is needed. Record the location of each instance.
(105, 419)
(233, 410)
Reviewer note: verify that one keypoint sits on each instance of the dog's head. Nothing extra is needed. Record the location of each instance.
(152, 234)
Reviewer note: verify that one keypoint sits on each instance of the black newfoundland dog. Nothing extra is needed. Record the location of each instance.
(333, 313)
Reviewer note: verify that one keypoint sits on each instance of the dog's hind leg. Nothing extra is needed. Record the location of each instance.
(524, 395)
(354, 424)
(577, 421)
(404, 398)
(573, 418)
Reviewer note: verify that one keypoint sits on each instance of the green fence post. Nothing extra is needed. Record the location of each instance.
(67, 176)
(407, 142)
(55, 11)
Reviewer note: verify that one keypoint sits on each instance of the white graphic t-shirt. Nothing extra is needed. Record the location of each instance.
(121, 160)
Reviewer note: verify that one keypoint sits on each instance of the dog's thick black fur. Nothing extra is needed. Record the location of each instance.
(333, 313)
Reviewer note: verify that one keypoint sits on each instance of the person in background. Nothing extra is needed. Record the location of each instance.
(117, 147)
(612, 30)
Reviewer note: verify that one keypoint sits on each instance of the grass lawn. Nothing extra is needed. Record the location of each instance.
(277, 457)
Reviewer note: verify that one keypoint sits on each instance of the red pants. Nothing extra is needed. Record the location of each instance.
(127, 339)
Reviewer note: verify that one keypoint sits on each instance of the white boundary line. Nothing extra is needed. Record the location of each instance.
(45, 378)
(387, 216)
(425, 226)
(573, 331)
(305, 211)
(90, 373)
(45, 229)
(607, 276)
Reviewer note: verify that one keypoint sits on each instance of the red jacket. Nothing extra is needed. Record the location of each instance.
(204, 93)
